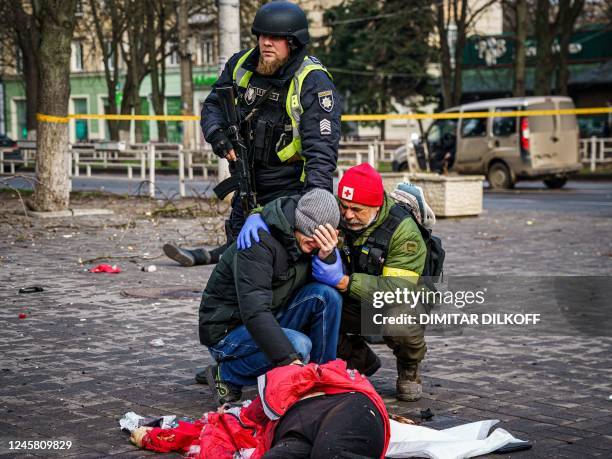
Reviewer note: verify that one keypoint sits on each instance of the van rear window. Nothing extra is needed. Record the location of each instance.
(542, 123)
(568, 122)
(506, 126)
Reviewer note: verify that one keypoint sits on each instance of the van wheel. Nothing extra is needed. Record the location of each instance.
(554, 183)
(499, 177)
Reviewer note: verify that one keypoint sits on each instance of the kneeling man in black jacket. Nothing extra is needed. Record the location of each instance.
(261, 308)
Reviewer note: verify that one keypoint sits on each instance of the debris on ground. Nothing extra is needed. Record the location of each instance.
(149, 269)
(32, 289)
(158, 342)
(103, 268)
(427, 415)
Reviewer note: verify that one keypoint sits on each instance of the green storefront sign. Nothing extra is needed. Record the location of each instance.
(585, 45)
(206, 79)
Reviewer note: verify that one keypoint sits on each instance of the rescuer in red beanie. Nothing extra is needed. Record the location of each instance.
(383, 251)
(361, 194)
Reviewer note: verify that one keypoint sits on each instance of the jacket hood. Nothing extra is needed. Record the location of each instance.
(283, 74)
(279, 215)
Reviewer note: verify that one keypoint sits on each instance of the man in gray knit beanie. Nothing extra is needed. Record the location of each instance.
(316, 208)
(261, 307)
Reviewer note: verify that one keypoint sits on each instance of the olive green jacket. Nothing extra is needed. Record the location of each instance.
(404, 263)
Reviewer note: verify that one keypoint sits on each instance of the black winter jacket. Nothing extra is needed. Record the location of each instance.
(252, 286)
(319, 126)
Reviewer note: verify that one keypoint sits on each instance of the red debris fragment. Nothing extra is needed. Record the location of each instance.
(106, 269)
(22, 315)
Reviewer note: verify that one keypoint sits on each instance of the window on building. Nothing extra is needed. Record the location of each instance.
(78, 9)
(473, 127)
(207, 52)
(77, 56)
(109, 51)
(173, 57)
(18, 60)
(505, 126)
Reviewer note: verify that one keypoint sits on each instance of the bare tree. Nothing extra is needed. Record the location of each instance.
(520, 55)
(462, 14)
(568, 14)
(24, 28)
(552, 21)
(108, 26)
(57, 20)
(157, 39)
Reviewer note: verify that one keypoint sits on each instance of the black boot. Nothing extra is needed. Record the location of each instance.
(186, 257)
(357, 354)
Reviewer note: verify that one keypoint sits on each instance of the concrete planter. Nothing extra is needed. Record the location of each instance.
(448, 196)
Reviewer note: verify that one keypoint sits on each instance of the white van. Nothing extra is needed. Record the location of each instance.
(506, 149)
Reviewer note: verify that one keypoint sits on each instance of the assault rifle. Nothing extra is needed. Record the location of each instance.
(241, 180)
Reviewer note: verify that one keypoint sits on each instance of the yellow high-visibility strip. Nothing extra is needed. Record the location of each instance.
(399, 272)
(373, 117)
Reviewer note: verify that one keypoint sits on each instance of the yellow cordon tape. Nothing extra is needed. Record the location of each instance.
(373, 117)
(456, 115)
(51, 119)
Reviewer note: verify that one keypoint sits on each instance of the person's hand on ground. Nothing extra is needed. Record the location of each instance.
(138, 435)
(327, 238)
(249, 232)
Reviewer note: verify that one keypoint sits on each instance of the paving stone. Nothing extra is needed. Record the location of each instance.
(82, 357)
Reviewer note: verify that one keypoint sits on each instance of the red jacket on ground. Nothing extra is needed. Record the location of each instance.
(252, 427)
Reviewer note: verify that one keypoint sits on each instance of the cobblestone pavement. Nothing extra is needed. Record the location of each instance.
(83, 355)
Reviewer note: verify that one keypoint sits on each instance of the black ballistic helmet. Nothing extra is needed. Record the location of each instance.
(281, 19)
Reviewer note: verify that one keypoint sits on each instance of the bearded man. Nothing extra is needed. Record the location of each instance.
(290, 114)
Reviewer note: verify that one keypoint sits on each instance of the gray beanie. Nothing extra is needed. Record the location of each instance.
(317, 207)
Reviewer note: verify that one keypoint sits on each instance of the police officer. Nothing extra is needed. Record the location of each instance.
(291, 117)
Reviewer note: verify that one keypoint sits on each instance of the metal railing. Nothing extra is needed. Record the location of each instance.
(596, 151)
(85, 158)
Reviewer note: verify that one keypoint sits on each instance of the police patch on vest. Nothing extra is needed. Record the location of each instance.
(249, 95)
(326, 100)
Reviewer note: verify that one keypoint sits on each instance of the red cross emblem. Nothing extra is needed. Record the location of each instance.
(347, 193)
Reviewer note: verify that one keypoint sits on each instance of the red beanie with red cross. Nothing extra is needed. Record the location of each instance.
(362, 184)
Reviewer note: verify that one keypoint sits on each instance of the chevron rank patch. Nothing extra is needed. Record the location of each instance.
(326, 100)
(325, 126)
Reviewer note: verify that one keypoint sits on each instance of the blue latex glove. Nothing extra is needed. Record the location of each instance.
(249, 230)
(328, 273)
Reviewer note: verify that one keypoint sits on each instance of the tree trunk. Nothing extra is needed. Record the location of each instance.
(567, 19)
(27, 34)
(545, 34)
(57, 24)
(186, 74)
(520, 48)
(445, 71)
(157, 93)
(459, 45)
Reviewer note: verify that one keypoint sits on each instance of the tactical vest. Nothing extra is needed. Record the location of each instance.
(370, 257)
(293, 104)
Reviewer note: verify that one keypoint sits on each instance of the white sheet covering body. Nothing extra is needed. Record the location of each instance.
(468, 440)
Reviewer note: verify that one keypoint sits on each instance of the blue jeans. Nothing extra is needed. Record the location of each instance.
(311, 322)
